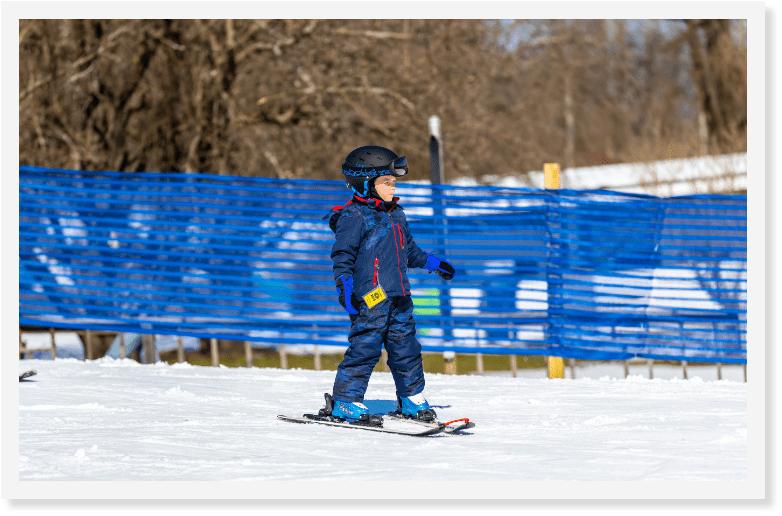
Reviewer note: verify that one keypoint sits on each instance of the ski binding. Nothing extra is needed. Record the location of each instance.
(377, 424)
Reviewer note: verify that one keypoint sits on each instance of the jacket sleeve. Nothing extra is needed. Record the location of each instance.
(348, 241)
(416, 258)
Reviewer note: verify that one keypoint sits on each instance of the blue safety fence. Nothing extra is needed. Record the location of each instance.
(578, 274)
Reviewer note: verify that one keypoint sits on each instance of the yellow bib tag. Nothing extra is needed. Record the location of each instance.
(375, 296)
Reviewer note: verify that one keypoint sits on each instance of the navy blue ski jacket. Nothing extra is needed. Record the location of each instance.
(374, 246)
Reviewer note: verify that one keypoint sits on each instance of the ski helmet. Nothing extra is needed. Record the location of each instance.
(366, 163)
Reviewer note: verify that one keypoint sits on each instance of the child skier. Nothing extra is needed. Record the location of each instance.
(372, 252)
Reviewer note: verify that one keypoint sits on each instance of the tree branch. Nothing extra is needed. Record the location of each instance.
(76, 64)
(371, 34)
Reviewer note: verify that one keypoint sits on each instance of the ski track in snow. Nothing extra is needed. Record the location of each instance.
(116, 420)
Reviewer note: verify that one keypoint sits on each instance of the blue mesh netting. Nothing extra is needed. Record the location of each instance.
(578, 274)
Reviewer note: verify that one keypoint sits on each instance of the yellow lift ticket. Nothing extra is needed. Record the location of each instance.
(374, 296)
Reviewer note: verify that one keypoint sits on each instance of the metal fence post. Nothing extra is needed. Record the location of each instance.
(437, 174)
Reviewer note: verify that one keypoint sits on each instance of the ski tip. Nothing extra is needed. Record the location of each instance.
(457, 425)
(27, 374)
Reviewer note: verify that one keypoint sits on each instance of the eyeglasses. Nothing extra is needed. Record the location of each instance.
(398, 166)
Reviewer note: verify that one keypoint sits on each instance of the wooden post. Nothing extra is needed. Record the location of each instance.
(684, 369)
(215, 352)
(627, 368)
(556, 366)
(248, 354)
(651, 365)
(478, 356)
(54, 344)
(122, 352)
(719, 371)
(316, 356)
(148, 345)
(572, 364)
(180, 350)
(88, 345)
(514, 369)
(450, 362)
(283, 357)
(22, 350)
(384, 360)
(745, 373)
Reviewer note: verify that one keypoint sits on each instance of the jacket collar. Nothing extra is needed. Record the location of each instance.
(374, 203)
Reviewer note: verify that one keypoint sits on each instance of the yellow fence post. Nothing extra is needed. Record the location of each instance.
(556, 366)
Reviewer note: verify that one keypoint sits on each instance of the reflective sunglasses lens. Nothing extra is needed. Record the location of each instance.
(399, 166)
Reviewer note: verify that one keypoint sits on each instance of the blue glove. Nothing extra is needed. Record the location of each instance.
(347, 298)
(440, 267)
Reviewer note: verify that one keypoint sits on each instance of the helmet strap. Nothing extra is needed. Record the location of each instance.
(372, 193)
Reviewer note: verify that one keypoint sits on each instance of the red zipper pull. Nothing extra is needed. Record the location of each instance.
(374, 280)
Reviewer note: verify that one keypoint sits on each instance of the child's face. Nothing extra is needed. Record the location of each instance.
(385, 186)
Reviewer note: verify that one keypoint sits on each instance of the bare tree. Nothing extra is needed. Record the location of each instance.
(719, 62)
(290, 98)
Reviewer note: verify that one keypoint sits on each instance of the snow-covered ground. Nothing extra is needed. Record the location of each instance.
(119, 420)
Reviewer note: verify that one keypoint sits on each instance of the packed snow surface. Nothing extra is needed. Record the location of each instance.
(119, 420)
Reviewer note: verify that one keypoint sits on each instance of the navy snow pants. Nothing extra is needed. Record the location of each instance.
(391, 324)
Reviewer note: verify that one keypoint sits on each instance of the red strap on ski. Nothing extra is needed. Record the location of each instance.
(466, 420)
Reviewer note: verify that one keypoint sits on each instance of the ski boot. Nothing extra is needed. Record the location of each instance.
(416, 407)
(354, 413)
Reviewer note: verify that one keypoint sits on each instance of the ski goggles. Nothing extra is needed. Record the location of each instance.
(398, 166)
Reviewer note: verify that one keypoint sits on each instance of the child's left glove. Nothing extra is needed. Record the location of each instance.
(440, 267)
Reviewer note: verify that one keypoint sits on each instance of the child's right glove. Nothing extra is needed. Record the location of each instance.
(440, 267)
(347, 298)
